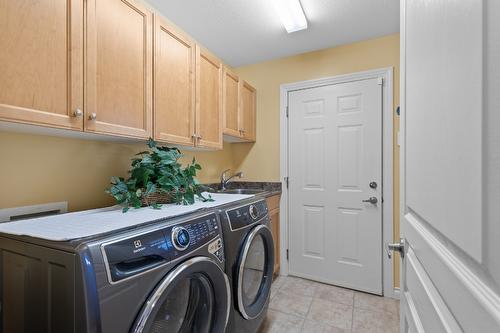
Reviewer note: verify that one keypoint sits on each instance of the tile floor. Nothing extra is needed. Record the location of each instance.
(299, 305)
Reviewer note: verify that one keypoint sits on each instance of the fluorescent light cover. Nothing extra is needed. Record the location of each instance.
(291, 15)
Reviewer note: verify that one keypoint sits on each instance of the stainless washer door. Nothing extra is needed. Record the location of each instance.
(194, 297)
(255, 272)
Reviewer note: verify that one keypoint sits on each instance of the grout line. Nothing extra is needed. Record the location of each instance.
(352, 319)
(288, 314)
(308, 310)
(352, 313)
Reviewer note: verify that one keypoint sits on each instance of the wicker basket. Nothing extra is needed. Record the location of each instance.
(158, 197)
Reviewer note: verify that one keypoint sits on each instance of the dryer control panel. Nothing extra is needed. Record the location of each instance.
(136, 254)
(243, 216)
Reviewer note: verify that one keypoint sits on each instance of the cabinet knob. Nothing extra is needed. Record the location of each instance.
(77, 113)
(93, 116)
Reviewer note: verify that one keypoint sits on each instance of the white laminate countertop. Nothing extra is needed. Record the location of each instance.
(65, 227)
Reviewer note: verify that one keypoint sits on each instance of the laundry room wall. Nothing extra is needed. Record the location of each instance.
(261, 161)
(36, 169)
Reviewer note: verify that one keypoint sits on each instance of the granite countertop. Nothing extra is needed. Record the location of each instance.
(268, 188)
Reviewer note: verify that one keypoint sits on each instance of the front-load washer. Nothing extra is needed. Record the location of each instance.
(249, 262)
(164, 277)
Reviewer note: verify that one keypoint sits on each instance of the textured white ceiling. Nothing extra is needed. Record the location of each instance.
(249, 31)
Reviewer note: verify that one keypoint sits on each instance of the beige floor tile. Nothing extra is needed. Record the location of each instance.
(366, 321)
(311, 326)
(274, 291)
(277, 284)
(279, 322)
(279, 281)
(291, 303)
(299, 286)
(376, 303)
(334, 294)
(334, 314)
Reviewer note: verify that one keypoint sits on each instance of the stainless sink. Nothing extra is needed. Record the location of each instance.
(242, 191)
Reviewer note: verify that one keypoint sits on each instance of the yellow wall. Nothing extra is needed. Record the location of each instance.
(267, 77)
(39, 169)
(260, 161)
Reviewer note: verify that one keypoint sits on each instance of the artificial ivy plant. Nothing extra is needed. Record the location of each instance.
(157, 171)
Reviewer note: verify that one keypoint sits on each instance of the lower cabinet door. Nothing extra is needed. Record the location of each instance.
(275, 229)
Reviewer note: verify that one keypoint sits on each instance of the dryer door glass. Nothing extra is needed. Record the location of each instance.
(192, 298)
(187, 308)
(255, 272)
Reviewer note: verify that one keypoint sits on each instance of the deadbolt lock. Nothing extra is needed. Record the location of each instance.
(373, 185)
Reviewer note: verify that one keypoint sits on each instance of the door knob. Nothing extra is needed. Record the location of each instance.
(399, 247)
(372, 200)
(77, 113)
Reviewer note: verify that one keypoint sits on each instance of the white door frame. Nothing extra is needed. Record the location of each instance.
(387, 160)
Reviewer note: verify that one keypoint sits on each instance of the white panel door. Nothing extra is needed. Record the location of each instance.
(335, 152)
(450, 165)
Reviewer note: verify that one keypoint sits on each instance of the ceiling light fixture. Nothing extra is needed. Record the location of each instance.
(291, 14)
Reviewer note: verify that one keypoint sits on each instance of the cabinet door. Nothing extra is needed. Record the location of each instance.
(174, 84)
(273, 204)
(247, 111)
(118, 82)
(274, 216)
(208, 100)
(231, 105)
(41, 62)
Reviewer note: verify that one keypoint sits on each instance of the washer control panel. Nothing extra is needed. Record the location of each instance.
(135, 254)
(243, 216)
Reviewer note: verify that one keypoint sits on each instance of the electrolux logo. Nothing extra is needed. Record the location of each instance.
(137, 243)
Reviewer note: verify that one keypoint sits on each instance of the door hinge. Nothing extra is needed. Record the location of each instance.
(286, 182)
(286, 111)
(380, 81)
(287, 256)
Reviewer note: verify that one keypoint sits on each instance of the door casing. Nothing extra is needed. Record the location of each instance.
(387, 167)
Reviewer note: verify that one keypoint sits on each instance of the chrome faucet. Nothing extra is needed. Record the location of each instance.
(224, 180)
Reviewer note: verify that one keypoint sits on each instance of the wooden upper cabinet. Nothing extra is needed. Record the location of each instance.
(119, 68)
(41, 80)
(231, 109)
(208, 100)
(247, 111)
(174, 85)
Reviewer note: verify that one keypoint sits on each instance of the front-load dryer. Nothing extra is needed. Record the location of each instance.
(249, 262)
(164, 277)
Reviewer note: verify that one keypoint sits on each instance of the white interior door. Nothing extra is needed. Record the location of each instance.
(335, 152)
(450, 166)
